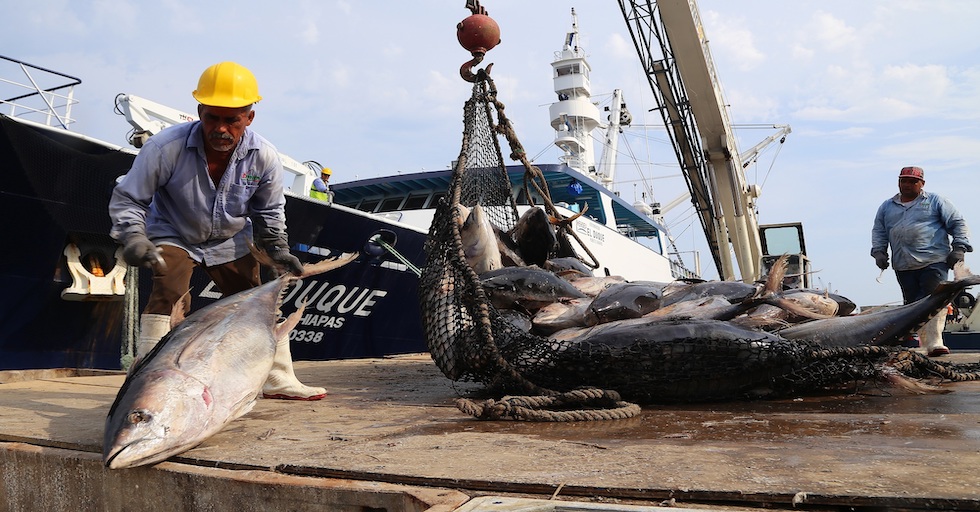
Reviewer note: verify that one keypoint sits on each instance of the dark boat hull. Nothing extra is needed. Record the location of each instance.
(55, 189)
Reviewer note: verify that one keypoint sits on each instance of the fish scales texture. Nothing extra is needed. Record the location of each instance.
(624, 300)
(734, 291)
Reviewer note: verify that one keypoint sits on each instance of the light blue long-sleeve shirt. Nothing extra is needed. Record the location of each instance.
(169, 196)
(919, 233)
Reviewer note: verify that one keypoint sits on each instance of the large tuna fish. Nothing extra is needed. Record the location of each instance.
(527, 287)
(884, 327)
(205, 373)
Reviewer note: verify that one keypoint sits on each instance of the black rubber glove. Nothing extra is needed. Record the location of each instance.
(282, 256)
(881, 260)
(140, 251)
(955, 256)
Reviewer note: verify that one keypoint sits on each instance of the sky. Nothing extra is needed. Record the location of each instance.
(371, 88)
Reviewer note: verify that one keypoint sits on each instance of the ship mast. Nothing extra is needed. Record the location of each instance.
(574, 116)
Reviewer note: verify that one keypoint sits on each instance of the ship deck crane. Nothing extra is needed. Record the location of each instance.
(687, 90)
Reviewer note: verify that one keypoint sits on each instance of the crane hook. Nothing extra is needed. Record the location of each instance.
(468, 75)
(478, 33)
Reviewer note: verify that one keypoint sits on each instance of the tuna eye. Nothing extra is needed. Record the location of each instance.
(138, 417)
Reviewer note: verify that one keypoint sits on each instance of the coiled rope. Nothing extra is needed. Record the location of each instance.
(607, 406)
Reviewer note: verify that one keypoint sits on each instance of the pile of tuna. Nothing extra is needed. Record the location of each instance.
(673, 342)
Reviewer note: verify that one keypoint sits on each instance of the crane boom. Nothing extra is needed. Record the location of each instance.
(688, 92)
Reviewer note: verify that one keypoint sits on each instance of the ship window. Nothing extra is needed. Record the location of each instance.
(369, 205)
(567, 70)
(522, 199)
(435, 199)
(414, 202)
(391, 204)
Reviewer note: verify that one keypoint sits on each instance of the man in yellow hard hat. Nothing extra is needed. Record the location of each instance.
(321, 186)
(196, 193)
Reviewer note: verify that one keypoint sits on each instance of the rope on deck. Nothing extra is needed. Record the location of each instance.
(539, 408)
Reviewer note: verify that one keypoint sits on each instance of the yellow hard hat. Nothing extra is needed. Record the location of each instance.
(327, 171)
(227, 84)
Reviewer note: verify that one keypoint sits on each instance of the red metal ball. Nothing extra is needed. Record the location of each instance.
(478, 33)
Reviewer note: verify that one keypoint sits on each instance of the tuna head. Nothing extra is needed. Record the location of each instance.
(164, 415)
(479, 240)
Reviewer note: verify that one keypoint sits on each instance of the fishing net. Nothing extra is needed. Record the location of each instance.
(589, 379)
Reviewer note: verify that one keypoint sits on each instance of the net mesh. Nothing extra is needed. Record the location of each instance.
(681, 361)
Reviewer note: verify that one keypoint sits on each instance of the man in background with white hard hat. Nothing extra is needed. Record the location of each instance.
(928, 236)
(196, 193)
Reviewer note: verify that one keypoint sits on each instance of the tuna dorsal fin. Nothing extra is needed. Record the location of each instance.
(774, 282)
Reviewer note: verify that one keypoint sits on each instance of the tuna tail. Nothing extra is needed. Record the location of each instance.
(331, 263)
(893, 376)
(309, 269)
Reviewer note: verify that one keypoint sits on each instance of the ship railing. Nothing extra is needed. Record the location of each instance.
(35, 93)
(679, 271)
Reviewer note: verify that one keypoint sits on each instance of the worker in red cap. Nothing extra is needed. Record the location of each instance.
(197, 193)
(928, 237)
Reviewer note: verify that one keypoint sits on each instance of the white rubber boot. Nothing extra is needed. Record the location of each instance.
(931, 336)
(282, 382)
(152, 329)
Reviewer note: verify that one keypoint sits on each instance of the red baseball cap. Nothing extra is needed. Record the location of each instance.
(912, 172)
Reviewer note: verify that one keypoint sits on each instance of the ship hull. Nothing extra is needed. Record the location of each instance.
(55, 192)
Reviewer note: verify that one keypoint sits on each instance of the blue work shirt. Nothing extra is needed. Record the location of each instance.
(169, 197)
(919, 233)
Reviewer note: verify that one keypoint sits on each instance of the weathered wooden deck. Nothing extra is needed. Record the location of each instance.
(389, 438)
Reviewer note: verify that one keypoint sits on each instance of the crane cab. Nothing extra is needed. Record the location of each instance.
(780, 239)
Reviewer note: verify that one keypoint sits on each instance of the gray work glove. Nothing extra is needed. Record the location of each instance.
(282, 256)
(881, 260)
(140, 251)
(955, 256)
(274, 242)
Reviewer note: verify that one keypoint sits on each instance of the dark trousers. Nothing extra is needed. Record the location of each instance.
(171, 283)
(920, 282)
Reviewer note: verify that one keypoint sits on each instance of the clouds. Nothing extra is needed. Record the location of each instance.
(371, 88)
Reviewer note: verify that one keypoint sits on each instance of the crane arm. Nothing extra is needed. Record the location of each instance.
(687, 89)
(749, 156)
